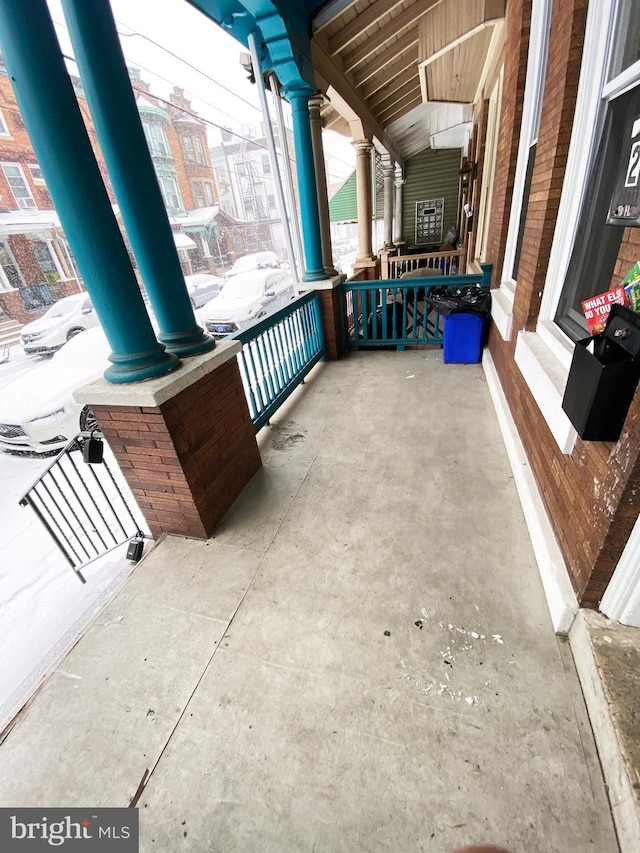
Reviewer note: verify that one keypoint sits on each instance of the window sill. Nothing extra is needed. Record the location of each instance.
(544, 358)
(502, 308)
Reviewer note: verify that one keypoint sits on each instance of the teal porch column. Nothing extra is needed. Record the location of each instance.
(53, 120)
(115, 116)
(298, 96)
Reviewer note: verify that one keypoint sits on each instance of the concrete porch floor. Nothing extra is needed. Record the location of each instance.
(361, 658)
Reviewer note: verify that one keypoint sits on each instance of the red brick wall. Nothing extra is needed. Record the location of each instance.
(330, 307)
(18, 149)
(188, 460)
(590, 495)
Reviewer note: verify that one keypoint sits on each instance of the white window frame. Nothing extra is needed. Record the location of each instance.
(4, 127)
(198, 150)
(544, 356)
(39, 179)
(3, 276)
(153, 130)
(175, 190)
(18, 166)
(503, 297)
(491, 152)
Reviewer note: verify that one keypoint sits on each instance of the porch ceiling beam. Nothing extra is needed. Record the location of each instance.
(396, 87)
(400, 107)
(329, 69)
(361, 23)
(408, 18)
(386, 57)
(402, 68)
(384, 101)
(458, 41)
(329, 12)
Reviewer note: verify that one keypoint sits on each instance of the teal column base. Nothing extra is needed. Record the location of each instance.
(138, 366)
(315, 275)
(190, 342)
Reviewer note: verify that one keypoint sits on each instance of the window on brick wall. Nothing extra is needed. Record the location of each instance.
(19, 186)
(4, 127)
(202, 193)
(199, 151)
(597, 244)
(36, 173)
(11, 275)
(193, 150)
(43, 254)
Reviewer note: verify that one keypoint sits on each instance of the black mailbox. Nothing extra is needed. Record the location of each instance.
(603, 377)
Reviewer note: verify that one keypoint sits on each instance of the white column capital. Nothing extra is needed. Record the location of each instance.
(362, 146)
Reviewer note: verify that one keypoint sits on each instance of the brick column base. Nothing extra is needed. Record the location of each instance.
(188, 457)
(330, 310)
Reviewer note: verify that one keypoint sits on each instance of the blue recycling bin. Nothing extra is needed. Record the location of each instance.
(463, 338)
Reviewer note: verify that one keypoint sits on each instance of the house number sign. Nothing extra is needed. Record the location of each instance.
(624, 208)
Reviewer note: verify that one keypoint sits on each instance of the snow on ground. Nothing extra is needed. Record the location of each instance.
(43, 605)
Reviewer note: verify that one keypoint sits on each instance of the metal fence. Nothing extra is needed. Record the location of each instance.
(278, 352)
(395, 312)
(84, 506)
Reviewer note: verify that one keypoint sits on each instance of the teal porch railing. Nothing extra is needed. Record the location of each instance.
(394, 312)
(278, 352)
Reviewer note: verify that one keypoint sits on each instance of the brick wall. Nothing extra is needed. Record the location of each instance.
(188, 460)
(590, 495)
(330, 307)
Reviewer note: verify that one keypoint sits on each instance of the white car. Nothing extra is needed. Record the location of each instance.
(245, 299)
(37, 411)
(256, 261)
(66, 318)
(202, 288)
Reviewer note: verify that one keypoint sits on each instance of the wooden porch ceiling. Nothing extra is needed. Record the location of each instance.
(381, 61)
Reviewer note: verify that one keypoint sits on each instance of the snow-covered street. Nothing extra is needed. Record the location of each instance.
(43, 605)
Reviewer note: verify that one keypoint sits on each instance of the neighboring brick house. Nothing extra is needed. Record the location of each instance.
(36, 266)
(207, 239)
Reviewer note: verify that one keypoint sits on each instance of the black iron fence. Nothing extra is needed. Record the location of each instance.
(84, 504)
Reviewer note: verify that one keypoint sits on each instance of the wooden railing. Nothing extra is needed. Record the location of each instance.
(395, 266)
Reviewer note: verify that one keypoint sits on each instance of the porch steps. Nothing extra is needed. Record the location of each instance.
(9, 334)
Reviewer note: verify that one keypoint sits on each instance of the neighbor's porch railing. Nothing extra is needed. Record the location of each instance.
(278, 352)
(394, 266)
(395, 312)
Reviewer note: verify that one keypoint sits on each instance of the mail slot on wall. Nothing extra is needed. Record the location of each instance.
(603, 377)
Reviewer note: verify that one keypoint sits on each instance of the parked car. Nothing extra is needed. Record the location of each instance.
(256, 261)
(37, 411)
(245, 298)
(66, 318)
(202, 288)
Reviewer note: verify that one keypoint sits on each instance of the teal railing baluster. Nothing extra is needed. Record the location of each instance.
(319, 328)
(275, 366)
(258, 390)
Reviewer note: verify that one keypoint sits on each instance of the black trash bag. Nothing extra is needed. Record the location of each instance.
(396, 331)
(471, 299)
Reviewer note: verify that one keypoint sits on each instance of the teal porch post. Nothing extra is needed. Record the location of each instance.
(298, 96)
(53, 120)
(115, 115)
